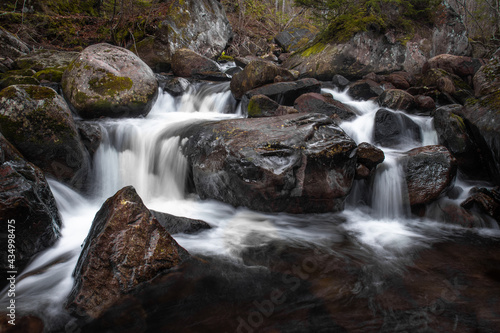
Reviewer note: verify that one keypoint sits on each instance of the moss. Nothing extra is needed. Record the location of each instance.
(50, 74)
(9, 92)
(110, 84)
(253, 109)
(17, 80)
(460, 121)
(40, 93)
(314, 49)
(225, 57)
(492, 101)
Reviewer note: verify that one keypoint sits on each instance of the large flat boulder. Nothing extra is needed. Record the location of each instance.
(294, 163)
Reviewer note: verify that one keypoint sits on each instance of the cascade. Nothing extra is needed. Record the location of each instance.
(146, 153)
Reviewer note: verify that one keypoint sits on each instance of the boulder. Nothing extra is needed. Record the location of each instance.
(485, 200)
(284, 93)
(452, 86)
(449, 35)
(398, 80)
(296, 36)
(187, 63)
(45, 59)
(340, 82)
(126, 247)
(199, 25)
(487, 78)
(463, 67)
(393, 129)
(12, 80)
(451, 213)
(27, 207)
(109, 81)
(482, 118)
(325, 104)
(263, 106)
(430, 172)
(367, 158)
(12, 48)
(424, 104)
(396, 99)
(256, 74)
(294, 163)
(365, 89)
(38, 122)
(90, 134)
(177, 224)
(452, 133)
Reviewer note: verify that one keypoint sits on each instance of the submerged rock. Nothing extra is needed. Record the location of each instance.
(109, 81)
(394, 129)
(430, 172)
(38, 122)
(27, 208)
(485, 201)
(295, 163)
(126, 247)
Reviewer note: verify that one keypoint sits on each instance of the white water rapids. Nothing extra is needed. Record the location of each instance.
(146, 154)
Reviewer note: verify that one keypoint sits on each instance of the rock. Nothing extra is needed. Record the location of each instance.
(263, 106)
(199, 25)
(430, 172)
(451, 213)
(38, 122)
(11, 80)
(482, 118)
(452, 133)
(396, 99)
(451, 85)
(23, 324)
(394, 129)
(450, 35)
(125, 249)
(398, 80)
(340, 82)
(463, 67)
(369, 155)
(90, 134)
(12, 48)
(294, 163)
(44, 59)
(296, 36)
(485, 200)
(256, 74)
(365, 89)
(175, 86)
(487, 78)
(284, 93)
(26, 200)
(317, 103)
(176, 224)
(109, 81)
(187, 63)
(424, 104)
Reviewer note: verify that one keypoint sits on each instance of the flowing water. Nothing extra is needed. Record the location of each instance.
(146, 153)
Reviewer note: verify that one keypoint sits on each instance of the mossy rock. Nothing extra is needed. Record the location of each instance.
(50, 74)
(109, 81)
(43, 59)
(11, 80)
(38, 122)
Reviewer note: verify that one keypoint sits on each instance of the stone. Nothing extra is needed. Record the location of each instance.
(296, 36)
(44, 59)
(38, 122)
(109, 81)
(393, 129)
(365, 89)
(424, 104)
(487, 78)
(27, 206)
(263, 106)
(177, 224)
(369, 155)
(463, 67)
(126, 248)
(397, 99)
(318, 103)
(296, 163)
(485, 200)
(187, 63)
(256, 74)
(430, 172)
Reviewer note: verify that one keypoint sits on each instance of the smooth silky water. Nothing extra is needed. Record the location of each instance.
(146, 154)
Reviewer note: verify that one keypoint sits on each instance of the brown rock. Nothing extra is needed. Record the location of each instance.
(187, 63)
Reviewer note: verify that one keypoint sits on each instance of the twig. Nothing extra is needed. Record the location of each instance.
(133, 38)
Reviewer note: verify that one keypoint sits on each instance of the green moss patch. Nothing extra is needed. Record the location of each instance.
(110, 84)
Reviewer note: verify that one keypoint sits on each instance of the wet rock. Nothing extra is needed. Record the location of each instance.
(451, 85)
(23, 324)
(38, 122)
(284, 93)
(325, 104)
(485, 200)
(398, 80)
(464, 67)
(125, 249)
(256, 74)
(27, 205)
(90, 134)
(393, 129)
(296, 36)
(199, 25)
(177, 224)
(176, 86)
(424, 104)
(340, 82)
(263, 106)
(451, 213)
(293, 163)
(365, 89)
(369, 155)
(430, 172)
(487, 78)
(187, 63)
(109, 81)
(452, 133)
(396, 99)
